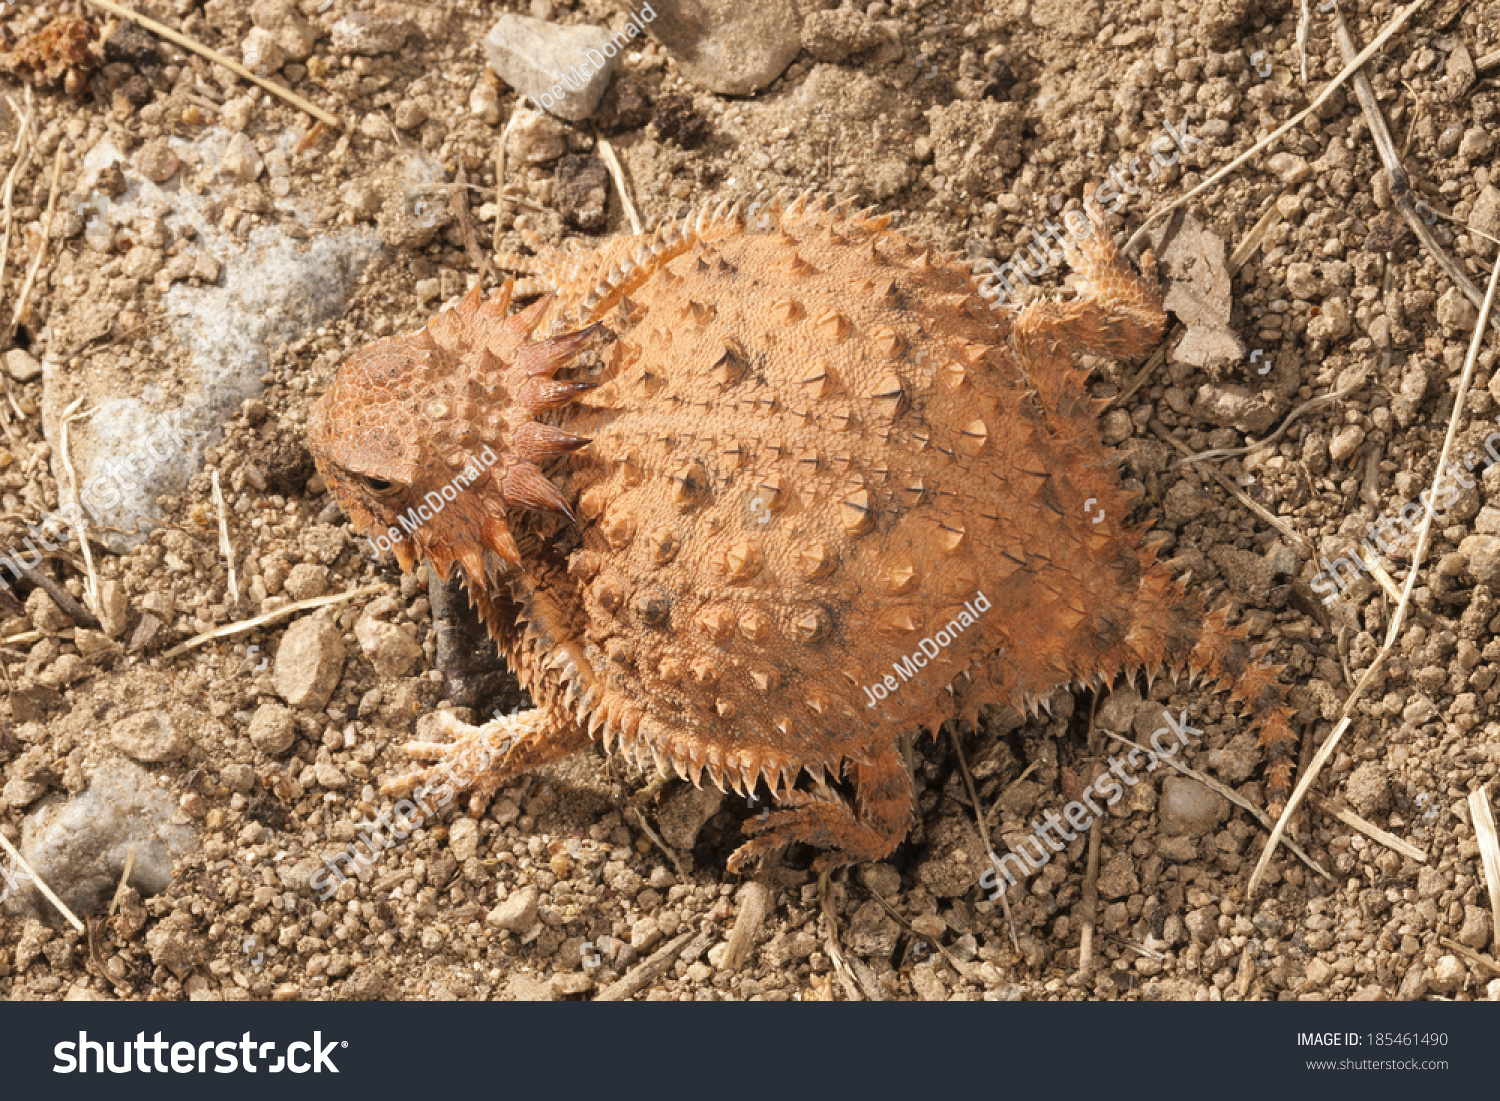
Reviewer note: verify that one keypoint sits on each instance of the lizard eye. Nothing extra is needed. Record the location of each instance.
(379, 485)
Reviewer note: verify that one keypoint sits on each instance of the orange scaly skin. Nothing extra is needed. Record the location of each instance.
(806, 451)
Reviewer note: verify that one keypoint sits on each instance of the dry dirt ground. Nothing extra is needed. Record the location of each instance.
(975, 123)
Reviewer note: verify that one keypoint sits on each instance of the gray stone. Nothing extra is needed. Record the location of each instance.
(151, 737)
(518, 912)
(78, 846)
(563, 70)
(1188, 808)
(309, 662)
(391, 649)
(146, 439)
(726, 46)
(1236, 406)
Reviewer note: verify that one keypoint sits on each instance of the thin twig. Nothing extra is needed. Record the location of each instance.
(1489, 851)
(1322, 97)
(114, 903)
(60, 596)
(1471, 955)
(510, 125)
(613, 164)
(91, 581)
(40, 885)
(41, 248)
(220, 59)
(1398, 619)
(1228, 793)
(1369, 829)
(231, 629)
(1400, 181)
(671, 853)
(1254, 506)
(226, 548)
(648, 972)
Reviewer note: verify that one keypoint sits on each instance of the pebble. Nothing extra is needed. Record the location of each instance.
(46, 617)
(582, 190)
(684, 813)
(21, 365)
(1300, 281)
(241, 160)
(261, 53)
(391, 649)
(149, 736)
(1483, 554)
(370, 35)
(273, 729)
(645, 935)
(1236, 406)
(306, 581)
(294, 35)
(536, 139)
(78, 846)
(309, 662)
(726, 46)
(1448, 975)
(539, 59)
(484, 103)
(1346, 442)
(1369, 788)
(518, 912)
(1485, 217)
(156, 161)
(463, 839)
(1188, 808)
(1455, 312)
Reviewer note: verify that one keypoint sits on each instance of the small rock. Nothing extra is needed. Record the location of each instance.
(563, 70)
(1227, 405)
(391, 649)
(463, 839)
(1292, 170)
(273, 729)
(206, 269)
(370, 35)
(21, 365)
(1188, 808)
(241, 160)
(133, 45)
(1483, 554)
(1346, 442)
(294, 35)
(329, 776)
(518, 912)
(1301, 283)
(1459, 76)
(1117, 879)
(1485, 218)
(725, 46)
(484, 102)
(149, 736)
(46, 617)
(309, 662)
(1183, 503)
(677, 120)
(1475, 932)
(1455, 312)
(581, 193)
(1369, 789)
(536, 139)
(645, 934)
(882, 879)
(625, 106)
(871, 931)
(156, 161)
(683, 813)
(261, 53)
(306, 581)
(78, 846)
(1198, 292)
(1448, 975)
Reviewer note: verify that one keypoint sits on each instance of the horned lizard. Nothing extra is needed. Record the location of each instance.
(799, 454)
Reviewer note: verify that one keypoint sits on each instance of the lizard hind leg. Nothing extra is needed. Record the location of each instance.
(481, 759)
(866, 831)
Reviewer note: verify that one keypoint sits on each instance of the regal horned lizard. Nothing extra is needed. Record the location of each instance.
(801, 453)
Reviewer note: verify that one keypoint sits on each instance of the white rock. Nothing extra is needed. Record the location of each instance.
(241, 160)
(564, 70)
(21, 366)
(518, 913)
(149, 736)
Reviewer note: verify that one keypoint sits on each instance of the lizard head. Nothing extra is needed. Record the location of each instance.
(428, 440)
